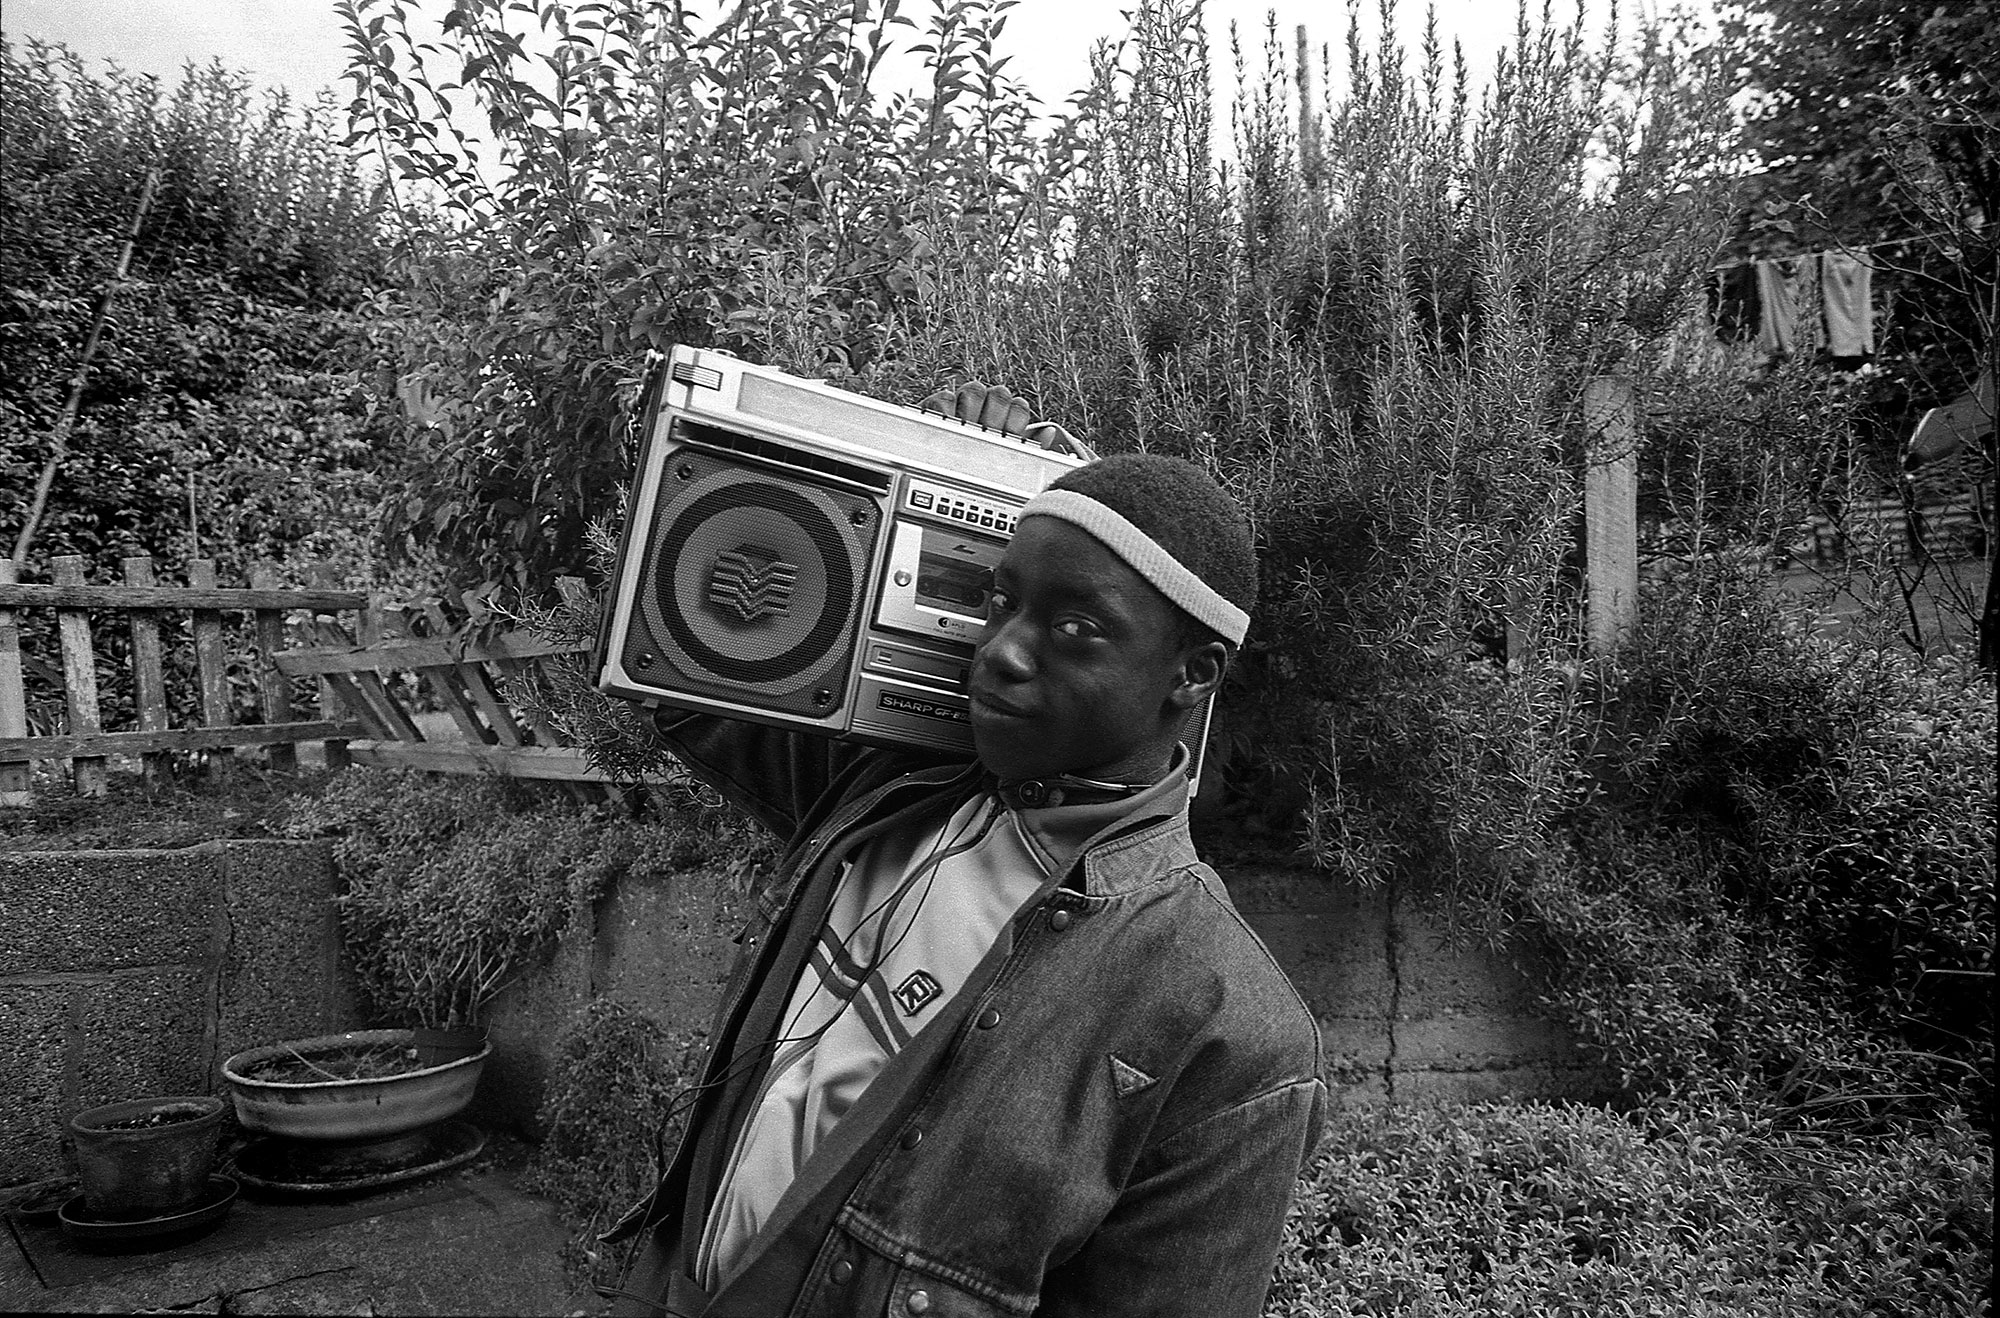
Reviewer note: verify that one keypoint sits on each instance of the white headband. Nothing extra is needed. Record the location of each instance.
(1144, 555)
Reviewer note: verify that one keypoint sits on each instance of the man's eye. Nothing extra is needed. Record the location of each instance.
(998, 602)
(1080, 628)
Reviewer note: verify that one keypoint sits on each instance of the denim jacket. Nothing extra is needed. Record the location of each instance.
(1108, 1120)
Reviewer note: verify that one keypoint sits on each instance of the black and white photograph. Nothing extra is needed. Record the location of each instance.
(999, 658)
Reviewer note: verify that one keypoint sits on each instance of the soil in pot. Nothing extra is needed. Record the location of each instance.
(166, 1116)
(354, 1061)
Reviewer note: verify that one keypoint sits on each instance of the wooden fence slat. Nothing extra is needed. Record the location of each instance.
(520, 678)
(211, 662)
(149, 684)
(516, 673)
(177, 739)
(320, 575)
(349, 695)
(79, 664)
(342, 655)
(368, 624)
(274, 689)
(16, 787)
(498, 716)
(371, 628)
(61, 595)
(387, 708)
(1610, 511)
(446, 684)
(453, 685)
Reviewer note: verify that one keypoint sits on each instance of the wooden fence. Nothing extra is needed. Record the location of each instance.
(371, 674)
(1888, 528)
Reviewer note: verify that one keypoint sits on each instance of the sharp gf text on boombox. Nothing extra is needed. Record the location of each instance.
(800, 555)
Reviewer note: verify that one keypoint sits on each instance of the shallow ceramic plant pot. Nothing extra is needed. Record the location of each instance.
(338, 1109)
(129, 1172)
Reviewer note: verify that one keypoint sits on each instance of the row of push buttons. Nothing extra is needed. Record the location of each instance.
(959, 510)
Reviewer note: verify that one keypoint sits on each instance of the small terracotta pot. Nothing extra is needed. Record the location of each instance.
(146, 1171)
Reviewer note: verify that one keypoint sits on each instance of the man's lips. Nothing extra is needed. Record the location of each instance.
(994, 707)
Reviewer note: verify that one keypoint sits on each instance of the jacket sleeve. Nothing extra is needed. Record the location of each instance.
(1197, 1230)
(778, 775)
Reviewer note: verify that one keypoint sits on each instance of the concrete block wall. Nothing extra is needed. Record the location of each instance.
(661, 947)
(137, 972)
(1405, 1014)
(126, 974)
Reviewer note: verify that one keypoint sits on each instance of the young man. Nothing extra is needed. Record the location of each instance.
(997, 1043)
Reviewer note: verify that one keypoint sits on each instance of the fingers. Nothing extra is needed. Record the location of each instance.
(1055, 439)
(996, 407)
(1005, 412)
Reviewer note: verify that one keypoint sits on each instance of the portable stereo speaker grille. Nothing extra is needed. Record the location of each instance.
(802, 556)
(752, 585)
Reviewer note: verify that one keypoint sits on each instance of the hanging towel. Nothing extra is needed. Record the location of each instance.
(1780, 289)
(1844, 279)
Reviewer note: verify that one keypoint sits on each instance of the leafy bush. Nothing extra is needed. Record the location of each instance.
(1573, 1211)
(230, 372)
(609, 1119)
(453, 887)
(743, 187)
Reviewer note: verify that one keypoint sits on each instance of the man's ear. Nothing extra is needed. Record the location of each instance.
(1202, 667)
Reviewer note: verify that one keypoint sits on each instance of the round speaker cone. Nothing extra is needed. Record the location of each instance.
(754, 581)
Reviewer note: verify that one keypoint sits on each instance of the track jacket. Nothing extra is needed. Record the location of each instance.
(1107, 1120)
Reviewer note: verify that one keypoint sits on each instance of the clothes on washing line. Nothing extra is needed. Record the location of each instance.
(1845, 280)
(1781, 289)
(1797, 303)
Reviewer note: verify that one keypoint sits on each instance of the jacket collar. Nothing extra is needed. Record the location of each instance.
(1122, 843)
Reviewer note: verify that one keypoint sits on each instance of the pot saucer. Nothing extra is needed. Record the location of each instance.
(275, 1165)
(88, 1227)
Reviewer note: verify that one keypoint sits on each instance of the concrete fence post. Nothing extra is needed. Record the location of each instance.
(1610, 511)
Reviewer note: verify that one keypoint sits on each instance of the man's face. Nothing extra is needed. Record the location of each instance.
(1076, 670)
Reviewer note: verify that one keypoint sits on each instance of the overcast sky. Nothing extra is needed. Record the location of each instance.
(297, 43)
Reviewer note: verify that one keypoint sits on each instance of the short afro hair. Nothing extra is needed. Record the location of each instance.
(1179, 507)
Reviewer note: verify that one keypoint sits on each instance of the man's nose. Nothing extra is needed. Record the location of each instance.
(1002, 650)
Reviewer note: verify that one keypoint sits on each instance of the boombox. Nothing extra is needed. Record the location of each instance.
(799, 555)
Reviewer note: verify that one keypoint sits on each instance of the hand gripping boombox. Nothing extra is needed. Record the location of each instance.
(808, 557)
